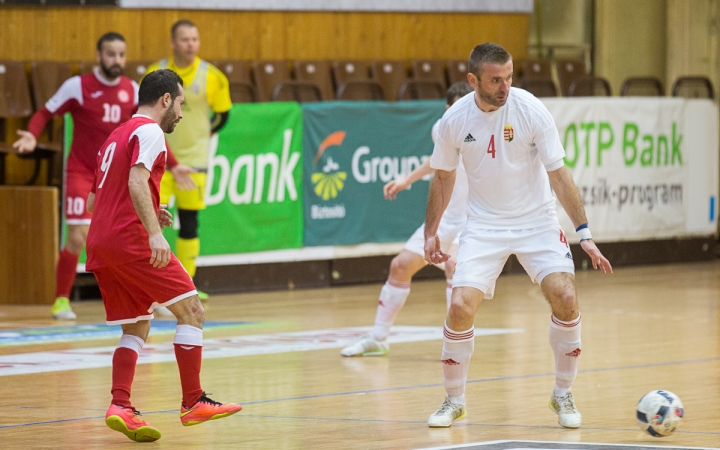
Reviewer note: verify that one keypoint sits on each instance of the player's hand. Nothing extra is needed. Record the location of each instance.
(598, 260)
(181, 173)
(26, 143)
(433, 254)
(164, 217)
(391, 189)
(160, 251)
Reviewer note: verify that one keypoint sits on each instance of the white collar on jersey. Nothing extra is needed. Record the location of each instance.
(142, 115)
(99, 77)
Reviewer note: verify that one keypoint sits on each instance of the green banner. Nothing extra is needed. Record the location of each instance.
(351, 150)
(254, 184)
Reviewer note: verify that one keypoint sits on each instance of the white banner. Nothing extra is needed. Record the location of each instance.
(646, 168)
(484, 6)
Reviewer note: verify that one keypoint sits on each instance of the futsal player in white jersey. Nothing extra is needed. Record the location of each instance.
(513, 157)
(412, 258)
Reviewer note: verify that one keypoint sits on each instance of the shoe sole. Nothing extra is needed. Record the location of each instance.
(552, 408)
(142, 434)
(460, 417)
(62, 316)
(190, 423)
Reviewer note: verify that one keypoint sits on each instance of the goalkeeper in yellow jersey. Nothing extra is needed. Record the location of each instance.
(205, 112)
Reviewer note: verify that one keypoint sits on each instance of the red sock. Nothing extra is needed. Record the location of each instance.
(65, 273)
(123, 364)
(189, 360)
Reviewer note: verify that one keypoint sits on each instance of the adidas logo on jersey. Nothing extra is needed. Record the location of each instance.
(469, 138)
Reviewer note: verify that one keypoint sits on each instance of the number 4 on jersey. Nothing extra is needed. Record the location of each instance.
(491, 146)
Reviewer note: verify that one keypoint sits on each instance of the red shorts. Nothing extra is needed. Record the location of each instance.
(132, 291)
(78, 184)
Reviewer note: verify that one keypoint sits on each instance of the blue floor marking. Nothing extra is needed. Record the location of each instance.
(420, 386)
(43, 335)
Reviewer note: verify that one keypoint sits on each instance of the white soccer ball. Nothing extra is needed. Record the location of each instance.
(659, 413)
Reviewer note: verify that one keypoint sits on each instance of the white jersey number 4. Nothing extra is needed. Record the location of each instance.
(106, 161)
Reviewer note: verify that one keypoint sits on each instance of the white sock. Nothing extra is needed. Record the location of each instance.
(132, 342)
(448, 293)
(392, 298)
(566, 344)
(457, 349)
(188, 335)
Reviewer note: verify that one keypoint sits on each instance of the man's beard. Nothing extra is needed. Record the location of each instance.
(169, 119)
(111, 72)
(490, 98)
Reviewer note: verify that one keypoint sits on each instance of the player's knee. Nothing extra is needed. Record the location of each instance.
(449, 268)
(188, 223)
(564, 304)
(398, 267)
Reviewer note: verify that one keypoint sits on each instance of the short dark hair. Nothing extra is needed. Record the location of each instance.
(109, 37)
(158, 83)
(181, 23)
(458, 90)
(488, 52)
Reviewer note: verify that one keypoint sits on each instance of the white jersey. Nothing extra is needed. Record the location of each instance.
(456, 211)
(507, 154)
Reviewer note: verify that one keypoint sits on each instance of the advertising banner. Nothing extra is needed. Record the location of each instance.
(352, 149)
(646, 168)
(254, 181)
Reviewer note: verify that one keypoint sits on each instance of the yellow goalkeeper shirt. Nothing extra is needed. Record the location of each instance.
(206, 91)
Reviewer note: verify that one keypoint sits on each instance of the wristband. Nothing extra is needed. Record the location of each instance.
(584, 234)
(583, 226)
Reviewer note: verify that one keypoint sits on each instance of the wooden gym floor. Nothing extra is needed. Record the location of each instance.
(644, 328)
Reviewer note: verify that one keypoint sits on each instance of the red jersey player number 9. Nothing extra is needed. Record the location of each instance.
(106, 161)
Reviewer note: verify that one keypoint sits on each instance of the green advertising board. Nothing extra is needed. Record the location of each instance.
(254, 197)
(352, 149)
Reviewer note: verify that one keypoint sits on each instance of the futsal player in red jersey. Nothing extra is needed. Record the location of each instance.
(132, 261)
(98, 102)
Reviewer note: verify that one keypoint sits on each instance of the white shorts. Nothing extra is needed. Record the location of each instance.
(482, 254)
(448, 233)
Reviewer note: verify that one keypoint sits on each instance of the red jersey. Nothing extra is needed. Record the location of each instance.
(117, 236)
(97, 108)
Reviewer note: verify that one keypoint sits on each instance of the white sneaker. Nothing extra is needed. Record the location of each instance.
(446, 414)
(564, 407)
(163, 312)
(366, 346)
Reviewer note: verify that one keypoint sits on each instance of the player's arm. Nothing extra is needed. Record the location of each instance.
(181, 172)
(391, 189)
(218, 97)
(562, 183)
(441, 188)
(142, 201)
(68, 96)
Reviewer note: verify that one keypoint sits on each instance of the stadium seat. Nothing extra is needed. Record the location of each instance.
(349, 70)
(567, 72)
(242, 89)
(360, 90)
(14, 101)
(457, 70)
(296, 91)
(317, 72)
(135, 70)
(693, 87)
(420, 89)
(642, 87)
(267, 75)
(47, 77)
(590, 86)
(429, 69)
(390, 75)
(535, 68)
(539, 87)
